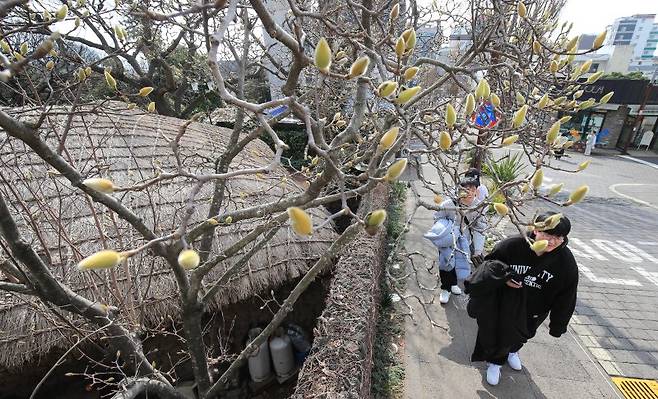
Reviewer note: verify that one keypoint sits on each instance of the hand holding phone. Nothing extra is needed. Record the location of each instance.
(513, 283)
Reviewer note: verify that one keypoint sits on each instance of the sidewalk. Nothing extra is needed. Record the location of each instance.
(438, 363)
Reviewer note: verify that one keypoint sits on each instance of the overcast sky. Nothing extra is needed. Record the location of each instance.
(593, 16)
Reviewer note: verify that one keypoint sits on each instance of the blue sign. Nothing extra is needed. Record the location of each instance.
(485, 116)
(277, 111)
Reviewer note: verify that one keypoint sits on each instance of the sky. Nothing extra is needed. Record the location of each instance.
(593, 16)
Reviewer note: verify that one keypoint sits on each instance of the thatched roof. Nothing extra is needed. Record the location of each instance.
(128, 147)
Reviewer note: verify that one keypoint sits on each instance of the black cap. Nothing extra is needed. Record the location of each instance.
(468, 182)
(473, 173)
(563, 227)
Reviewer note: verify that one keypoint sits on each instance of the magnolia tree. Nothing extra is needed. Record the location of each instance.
(373, 82)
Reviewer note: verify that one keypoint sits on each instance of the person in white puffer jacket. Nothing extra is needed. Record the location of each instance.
(458, 234)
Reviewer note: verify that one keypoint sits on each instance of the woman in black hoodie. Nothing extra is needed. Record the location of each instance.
(549, 281)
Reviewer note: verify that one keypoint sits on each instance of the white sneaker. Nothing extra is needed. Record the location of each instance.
(456, 290)
(493, 374)
(514, 361)
(444, 296)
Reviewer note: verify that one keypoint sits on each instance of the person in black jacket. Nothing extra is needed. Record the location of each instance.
(549, 280)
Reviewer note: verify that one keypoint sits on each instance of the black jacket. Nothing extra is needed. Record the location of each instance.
(500, 310)
(550, 281)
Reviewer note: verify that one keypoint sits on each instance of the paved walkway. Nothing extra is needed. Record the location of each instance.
(438, 360)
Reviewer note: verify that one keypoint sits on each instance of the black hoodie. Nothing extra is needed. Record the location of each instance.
(550, 280)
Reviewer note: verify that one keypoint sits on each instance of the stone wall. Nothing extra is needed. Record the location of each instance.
(340, 362)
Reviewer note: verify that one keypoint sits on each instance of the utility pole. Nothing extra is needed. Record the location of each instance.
(640, 113)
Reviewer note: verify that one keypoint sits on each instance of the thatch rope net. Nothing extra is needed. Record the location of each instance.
(64, 226)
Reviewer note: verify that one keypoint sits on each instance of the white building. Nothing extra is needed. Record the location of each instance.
(641, 32)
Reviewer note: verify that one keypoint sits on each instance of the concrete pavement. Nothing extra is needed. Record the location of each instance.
(615, 329)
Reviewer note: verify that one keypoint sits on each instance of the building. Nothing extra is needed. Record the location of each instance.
(641, 32)
(616, 120)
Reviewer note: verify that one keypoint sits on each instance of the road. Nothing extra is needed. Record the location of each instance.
(615, 241)
(614, 331)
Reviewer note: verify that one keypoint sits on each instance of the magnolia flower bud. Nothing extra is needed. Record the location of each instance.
(510, 140)
(228, 220)
(553, 132)
(470, 104)
(606, 98)
(537, 179)
(521, 9)
(559, 100)
(525, 188)
(480, 89)
(583, 165)
(550, 222)
(110, 80)
(387, 88)
(188, 259)
(577, 195)
(594, 77)
(388, 139)
(50, 65)
(23, 49)
(519, 116)
(81, 75)
(46, 15)
(598, 42)
(407, 94)
(77, 22)
(5, 47)
(395, 170)
(145, 91)
(554, 66)
(339, 55)
(578, 94)
(375, 218)
(395, 12)
(151, 107)
(445, 141)
(495, 100)
(586, 104)
(212, 222)
(519, 98)
(410, 73)
(571, 46)
(101, 260)
(586, 66)
(409, 36)
(451, 115)
(539, 246)
(536, 47)
(104, 186)
(543, 101)
(556, 188)
(359, 67)
(62, 12)
(300, 221)
(565, 119)
(19, 57)
(400, 47)
(501, 209)
(323, 55)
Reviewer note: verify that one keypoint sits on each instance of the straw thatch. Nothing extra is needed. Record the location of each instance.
(64, 226)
